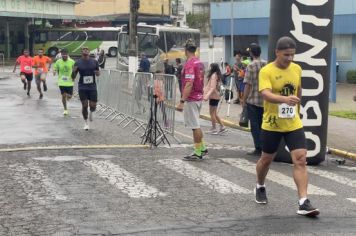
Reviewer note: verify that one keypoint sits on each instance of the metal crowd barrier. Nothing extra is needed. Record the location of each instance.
(2, 57)
(127, 97)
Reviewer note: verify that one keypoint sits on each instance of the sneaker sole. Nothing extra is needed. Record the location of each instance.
(264, 202)
(312, 213)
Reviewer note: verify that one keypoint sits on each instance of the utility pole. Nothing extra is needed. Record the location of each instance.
(133, 60)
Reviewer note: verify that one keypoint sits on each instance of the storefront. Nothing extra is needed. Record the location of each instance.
(19, 17)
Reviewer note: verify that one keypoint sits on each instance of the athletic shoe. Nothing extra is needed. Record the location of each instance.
(193, 156)
(41, 96)
(307, 209)
(86, 126)
(222, 130)
(211, 131)
(45, 87)
(91, 116)
(216, 132)
(260, 195)
(204, 152)
(65, 112)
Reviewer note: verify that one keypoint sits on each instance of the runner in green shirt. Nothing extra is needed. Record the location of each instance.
(64, 68)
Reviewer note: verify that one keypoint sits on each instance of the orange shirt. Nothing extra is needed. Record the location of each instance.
(41, 63)
(25, 63)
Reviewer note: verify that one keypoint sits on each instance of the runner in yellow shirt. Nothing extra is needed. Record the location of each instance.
(280, 86)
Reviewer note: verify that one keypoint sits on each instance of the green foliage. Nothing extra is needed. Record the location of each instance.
(351, 76)
(344, 114)
(198, 21)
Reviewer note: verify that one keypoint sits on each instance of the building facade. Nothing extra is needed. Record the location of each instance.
(248, 21)
(18, 17)
(117, 12)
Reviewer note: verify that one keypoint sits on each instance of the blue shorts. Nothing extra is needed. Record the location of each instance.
(240, 85)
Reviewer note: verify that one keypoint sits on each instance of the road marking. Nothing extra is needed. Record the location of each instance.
(123, 180)
(102, 156)
(334, 177)
(28, 176)
(275, 176)
(352, 199)
(204, 178)
(352, 168)
(60, 158)
(60, 147)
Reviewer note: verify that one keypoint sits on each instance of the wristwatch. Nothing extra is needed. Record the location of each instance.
(182, 101)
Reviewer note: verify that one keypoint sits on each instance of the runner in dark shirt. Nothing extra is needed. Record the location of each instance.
(88, 71)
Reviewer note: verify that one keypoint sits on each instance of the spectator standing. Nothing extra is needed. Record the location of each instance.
(252, 99)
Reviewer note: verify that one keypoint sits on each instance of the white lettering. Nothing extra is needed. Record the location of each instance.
(318, 45)
(316, 140)
(316, 108)
(313, 2)
(318, 77)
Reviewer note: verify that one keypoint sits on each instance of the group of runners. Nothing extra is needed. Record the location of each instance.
(66, 70)
(279, 83)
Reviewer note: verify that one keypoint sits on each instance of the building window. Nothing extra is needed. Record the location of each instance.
(343, 45)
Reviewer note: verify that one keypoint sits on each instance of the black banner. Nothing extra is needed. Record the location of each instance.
(310, 24)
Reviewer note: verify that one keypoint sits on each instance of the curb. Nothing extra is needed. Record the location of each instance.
(334, 151)
(342, 153)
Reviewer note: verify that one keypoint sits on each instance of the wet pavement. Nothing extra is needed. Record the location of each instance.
(103, 182)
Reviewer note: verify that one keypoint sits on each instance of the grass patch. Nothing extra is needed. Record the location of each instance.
(344, 114)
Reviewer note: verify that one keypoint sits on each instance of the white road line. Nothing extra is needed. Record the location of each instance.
(204, 178)
(352, 199)
(28, 176)
(123, 180)
(275, 176)
(352, 168)
(334, 177)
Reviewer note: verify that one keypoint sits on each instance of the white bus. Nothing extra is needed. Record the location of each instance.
(158, 42)
(73, 39)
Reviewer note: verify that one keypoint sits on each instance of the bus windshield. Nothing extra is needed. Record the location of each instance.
(146, 44)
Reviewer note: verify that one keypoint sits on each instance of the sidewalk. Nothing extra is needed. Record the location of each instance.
(341, 138)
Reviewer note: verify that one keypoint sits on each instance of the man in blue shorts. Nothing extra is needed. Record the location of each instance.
(88, 70)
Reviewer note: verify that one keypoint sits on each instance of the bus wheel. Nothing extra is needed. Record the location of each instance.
(52, 52)
(112, 52)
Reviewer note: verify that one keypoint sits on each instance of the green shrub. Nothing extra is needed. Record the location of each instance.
(351, 76)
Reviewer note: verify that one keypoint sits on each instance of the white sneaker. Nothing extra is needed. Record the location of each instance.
(86, 126)
(91, 116)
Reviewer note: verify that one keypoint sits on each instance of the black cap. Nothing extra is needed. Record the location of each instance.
(255, 49)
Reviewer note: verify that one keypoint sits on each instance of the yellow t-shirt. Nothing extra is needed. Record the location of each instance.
(283, 82)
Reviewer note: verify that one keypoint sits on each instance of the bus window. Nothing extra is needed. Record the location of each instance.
(170, 40)
(40, 37)
(93, 35)
(123, 44)
(53, 36)
(160, 42)
(65, 36)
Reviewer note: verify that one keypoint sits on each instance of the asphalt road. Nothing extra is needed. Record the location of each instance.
(53, 181)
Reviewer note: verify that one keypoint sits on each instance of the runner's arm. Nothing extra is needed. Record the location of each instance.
(16, 63)
(274, 98)
(75, 72)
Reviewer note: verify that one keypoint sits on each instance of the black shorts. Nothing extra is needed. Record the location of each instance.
(213, 102)
(29, 76)
(91, 95)
(67, 90)
(271, 139)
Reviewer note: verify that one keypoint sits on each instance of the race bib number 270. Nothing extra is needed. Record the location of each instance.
(286, 111)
